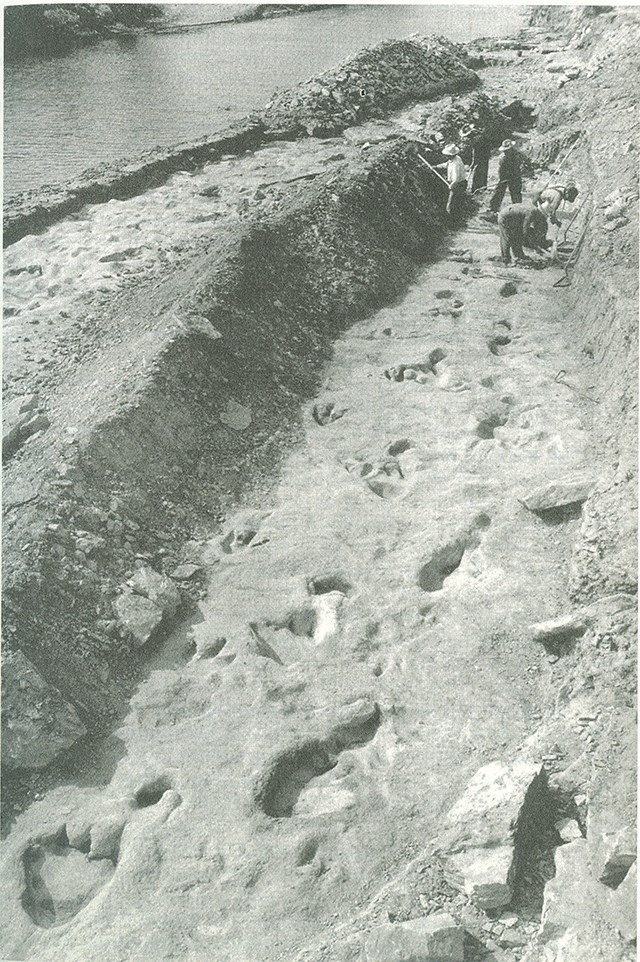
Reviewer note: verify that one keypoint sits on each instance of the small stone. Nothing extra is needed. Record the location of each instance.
(509, 938)
(509, 921)
(568, 829)
(558, 494)
(508, 289)
(567, 627)
(185, 571)
(236, 416)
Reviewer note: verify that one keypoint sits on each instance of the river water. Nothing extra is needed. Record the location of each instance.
(126, 95)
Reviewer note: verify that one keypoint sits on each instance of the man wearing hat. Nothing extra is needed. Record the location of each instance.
(456, 178)
(549, 199)
(510, 165)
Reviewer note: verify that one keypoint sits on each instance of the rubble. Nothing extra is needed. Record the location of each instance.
(37, 723)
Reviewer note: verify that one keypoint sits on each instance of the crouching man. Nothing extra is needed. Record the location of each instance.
(521, 226)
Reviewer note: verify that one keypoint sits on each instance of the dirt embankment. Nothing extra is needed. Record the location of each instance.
(375, 81)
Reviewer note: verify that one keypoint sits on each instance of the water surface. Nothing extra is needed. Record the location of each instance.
(126, 95)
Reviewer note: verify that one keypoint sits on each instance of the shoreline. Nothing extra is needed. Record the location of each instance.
(34, 210)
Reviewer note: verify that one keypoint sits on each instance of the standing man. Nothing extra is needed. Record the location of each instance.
(510, 165)
(456, 178)
(521, 226)
(480, 148)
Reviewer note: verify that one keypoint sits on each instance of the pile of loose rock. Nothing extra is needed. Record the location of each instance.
(374, 81)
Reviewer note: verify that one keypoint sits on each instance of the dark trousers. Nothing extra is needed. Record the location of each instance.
(515, 190)
(455, 203)
(479, 175)
(510, 240)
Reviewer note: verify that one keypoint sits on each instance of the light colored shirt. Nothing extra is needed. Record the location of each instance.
(455, 170)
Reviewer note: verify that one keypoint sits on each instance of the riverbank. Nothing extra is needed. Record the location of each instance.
(54, 29)
(376, 81)
(316, 367)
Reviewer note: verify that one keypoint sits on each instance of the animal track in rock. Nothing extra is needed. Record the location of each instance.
(446, 559)
(497, 341)
(324, 584)
(307, 851)
(394, 448)
(327, 413)
(59, 881)
(152, 791)
(491, 418)
(416, 370)
(280, 787)
(285, 640)
(388, 477)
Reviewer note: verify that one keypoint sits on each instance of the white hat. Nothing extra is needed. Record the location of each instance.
(450, 150)
(507, 145)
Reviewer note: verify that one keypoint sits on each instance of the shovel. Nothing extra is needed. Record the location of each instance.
(434, 171)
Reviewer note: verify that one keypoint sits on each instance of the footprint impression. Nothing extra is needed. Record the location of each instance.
(390, 476)
(446, 558)
(286, 640)
(289, 785)
(63, 872)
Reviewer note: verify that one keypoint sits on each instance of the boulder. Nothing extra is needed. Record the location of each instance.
(566, 902)
(623, 906)
(157, 588)
(616, 851)
(484, 875)
(478, 845)
(37, 722)
(557, 494)
(437, 938)
(139, 616)
(20, 419)
(185, 572)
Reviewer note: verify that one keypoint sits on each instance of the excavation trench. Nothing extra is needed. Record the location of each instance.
(264, 366)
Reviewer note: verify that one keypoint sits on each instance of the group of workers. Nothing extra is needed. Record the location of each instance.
(520, 225)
